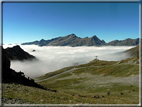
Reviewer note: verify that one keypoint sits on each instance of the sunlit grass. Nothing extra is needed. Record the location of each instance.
(39, 96)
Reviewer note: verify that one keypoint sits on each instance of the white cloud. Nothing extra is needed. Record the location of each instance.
(52, 58)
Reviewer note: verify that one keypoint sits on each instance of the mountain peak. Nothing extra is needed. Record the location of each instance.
(42, 40)
(95, 37)
(16, 46)
(72, 35)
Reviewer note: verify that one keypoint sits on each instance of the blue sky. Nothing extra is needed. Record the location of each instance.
(26, 22)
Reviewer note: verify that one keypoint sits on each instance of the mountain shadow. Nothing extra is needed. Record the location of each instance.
(11, 76)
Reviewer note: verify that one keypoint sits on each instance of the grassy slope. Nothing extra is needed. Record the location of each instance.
(50, 74)
(94, 78)
(89, 80)
(133, 51)
(81, 81)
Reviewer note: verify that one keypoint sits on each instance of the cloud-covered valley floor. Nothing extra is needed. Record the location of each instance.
(51, 58)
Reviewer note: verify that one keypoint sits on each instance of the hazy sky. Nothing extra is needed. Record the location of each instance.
(26, 22)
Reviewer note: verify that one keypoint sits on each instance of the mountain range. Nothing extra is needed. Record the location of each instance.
(73, 40)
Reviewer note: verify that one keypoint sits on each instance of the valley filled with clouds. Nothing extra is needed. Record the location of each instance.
(51, 58)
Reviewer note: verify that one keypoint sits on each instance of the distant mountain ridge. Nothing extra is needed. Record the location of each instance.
(126, 42)
(73, 40)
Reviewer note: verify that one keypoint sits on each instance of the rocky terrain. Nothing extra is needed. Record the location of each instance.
(17, 53)
(73, 40)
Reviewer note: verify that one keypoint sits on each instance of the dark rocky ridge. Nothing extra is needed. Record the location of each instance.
(73, 40)
(17, 53)
(11, 76)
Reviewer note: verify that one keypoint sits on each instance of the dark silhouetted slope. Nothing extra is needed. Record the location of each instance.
(17, 53)
(11, 76)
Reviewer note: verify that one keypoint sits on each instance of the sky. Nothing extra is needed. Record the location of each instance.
(27, 22)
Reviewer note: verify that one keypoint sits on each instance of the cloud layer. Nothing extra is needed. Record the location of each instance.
(52, 58)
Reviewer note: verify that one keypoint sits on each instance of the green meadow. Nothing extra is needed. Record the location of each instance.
(84, 84)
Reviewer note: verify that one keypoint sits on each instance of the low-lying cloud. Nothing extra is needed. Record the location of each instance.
(52, 58)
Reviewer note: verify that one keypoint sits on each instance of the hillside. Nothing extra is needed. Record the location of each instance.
(17, 53)
(97, 82)
(133, 51)
(73, 40)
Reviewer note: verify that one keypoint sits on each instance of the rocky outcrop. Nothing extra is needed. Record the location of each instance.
(17, 53)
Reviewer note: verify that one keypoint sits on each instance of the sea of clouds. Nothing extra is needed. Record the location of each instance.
(51, 58)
